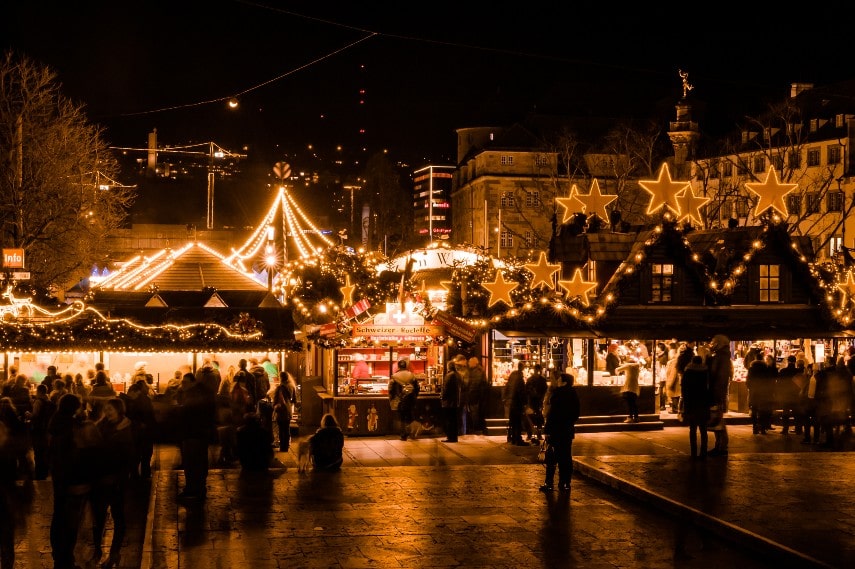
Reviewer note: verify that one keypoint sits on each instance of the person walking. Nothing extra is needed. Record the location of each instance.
(43, 410)
(721, 374)
(513, 396)
(631, 390)
(197, 425)
(284, 399)
(562, 412)
(535, 390)
(403, 391)
(476, 395)
(695, 389)
(116, 460)
(450, 398)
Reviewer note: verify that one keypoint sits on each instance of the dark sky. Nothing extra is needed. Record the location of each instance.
(426, 67)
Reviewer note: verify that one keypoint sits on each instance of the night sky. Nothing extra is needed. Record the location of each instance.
(426, 68)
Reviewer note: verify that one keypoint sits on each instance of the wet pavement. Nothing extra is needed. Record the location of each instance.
(637, 500)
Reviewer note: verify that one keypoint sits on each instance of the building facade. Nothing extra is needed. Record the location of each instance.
(432, 203)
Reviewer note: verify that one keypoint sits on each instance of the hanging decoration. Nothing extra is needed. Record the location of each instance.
(500, 290)
(771, 193)
(848, 287)
(347, 292)
(542, 272)
(595, 201)
(690, 206)
(663, 191)
(571, 204)
(578, 287)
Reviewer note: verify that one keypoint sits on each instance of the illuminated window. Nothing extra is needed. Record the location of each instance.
(592, 271)
(529, 239)
(662, 282)
(813, 157)
(507, 200)
(540, 160)
(532, 199)
(835, 245)
(507, 160)
(770, 283)
(834, 201)
(506, 240)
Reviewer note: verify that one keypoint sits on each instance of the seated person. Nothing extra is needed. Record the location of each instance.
(326, 445)
(254, 444)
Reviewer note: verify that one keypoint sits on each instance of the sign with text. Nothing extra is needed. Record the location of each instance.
(455, 326)
(398, 332)
(13, 258)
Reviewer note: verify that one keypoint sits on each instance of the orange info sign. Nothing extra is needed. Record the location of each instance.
(13, 258)
(455, 326)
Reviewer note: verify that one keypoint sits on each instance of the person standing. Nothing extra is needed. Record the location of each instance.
(696, 404)
(721, 374)
(476, 395)
(43, 410)
(535, 388)
(198, 428)
(513, 396)
(139, 409)
(450, 398)
(403, 391)
(760, 382)
(284, 399)
(630, 390)
(560, 429)
(116, 460)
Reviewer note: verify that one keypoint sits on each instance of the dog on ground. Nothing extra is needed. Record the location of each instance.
(304, 456)
(416, 428)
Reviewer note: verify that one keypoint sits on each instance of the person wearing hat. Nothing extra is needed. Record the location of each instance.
(721, 373)
(450, 397)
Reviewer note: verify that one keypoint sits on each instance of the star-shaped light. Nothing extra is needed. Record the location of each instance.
(578, 286)
(595, 202)
(771, 193)
(571, 204)
(500, 290)
(664, 191)
(542, 272)
(347, 291)
(848, 288)
(690, 206)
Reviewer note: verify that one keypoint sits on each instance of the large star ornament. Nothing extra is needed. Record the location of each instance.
(571, 204)
(578, 286)
(663, 191)
(690, 206)
(500, 290)
(848, 287)
(542, 272)
(347, 292)
(771, 193)
(595, 202)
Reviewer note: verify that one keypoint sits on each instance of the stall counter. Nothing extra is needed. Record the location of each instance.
(367, 415)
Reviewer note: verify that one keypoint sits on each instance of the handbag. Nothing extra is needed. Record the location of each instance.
(541, 454)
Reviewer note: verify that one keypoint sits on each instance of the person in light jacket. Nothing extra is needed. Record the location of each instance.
(630, 390)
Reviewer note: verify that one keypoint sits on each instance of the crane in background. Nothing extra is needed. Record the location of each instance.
(210, 150)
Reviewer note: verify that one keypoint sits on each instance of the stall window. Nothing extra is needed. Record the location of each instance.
(662, 282)
(770, 283)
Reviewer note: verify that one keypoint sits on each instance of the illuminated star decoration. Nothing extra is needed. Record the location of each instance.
(771, 193)
(690, 206)
(848, 287)
(500, 290)
(542, 272)
(664, 191)
(347, 291)
(571, 204)
(577, 286)
(595, 202)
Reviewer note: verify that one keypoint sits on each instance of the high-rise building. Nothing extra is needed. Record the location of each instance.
(432, 202)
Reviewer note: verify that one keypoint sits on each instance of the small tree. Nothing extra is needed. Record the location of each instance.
(58, 200)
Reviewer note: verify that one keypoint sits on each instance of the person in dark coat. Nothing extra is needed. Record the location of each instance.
(43, 410)
(760, 382)
(197, 424)
(695, 389)
(254, 444)
(327, 444)
(514, 398)
(535, 389)
(140, 411)
(450, 398)
(477, 394)
(787, 387)
(116, 459)
(562, 412)
(8, 499)
(284, 399)
(721, 374)
(74, 449)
